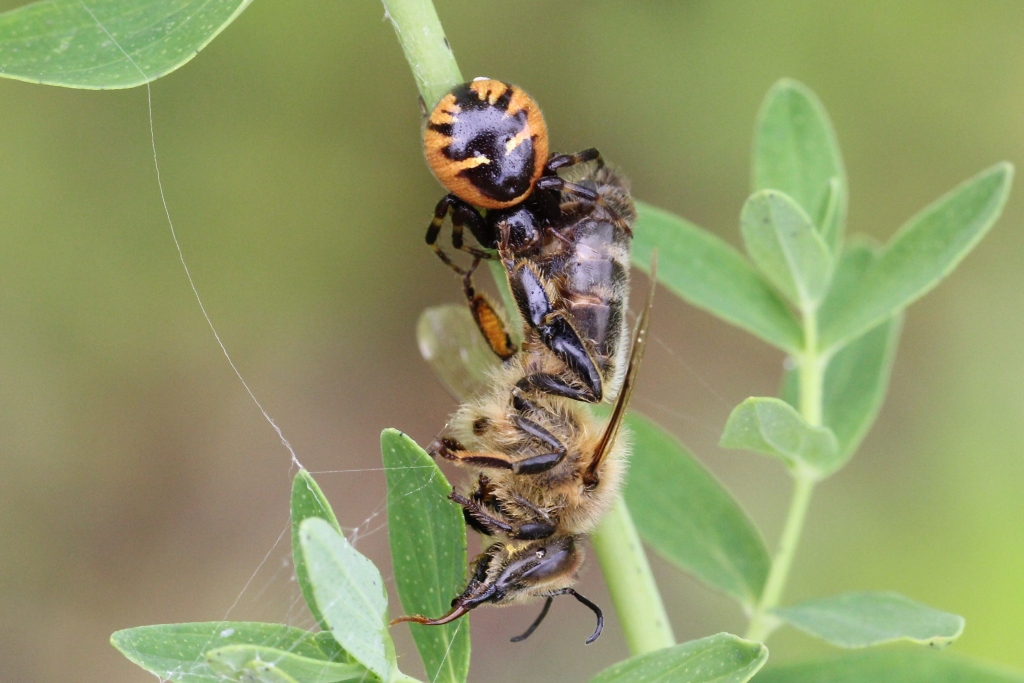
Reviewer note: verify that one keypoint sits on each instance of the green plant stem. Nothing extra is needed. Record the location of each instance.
(619, 550)
(426, 49)
(810, 372)
(811, 375)
(630, 582)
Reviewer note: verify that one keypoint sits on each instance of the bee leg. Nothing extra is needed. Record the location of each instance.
(541, 514)
(556, 184)
(553, 328)
(593, 608)
(482, 496)
(443, 446)
(452, 450)
(480, 518)
(554, 385)
(536, 622)
(497, 461)
(526, 531)
(484, 492)
(535, 464)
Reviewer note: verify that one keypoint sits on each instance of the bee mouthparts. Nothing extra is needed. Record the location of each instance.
(454, 614)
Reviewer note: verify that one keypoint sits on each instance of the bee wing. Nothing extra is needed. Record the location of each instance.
(622, 401)
(451, 343)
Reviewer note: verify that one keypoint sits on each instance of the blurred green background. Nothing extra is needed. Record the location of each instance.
(139, 483)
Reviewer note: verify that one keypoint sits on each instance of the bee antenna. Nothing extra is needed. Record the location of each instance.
(536, 622)
(593, 608)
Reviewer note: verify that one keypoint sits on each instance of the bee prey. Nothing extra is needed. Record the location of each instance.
(544, 469)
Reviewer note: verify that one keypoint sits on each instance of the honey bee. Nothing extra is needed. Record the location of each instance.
(545, 469)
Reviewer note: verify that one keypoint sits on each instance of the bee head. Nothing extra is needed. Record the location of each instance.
(512, 572)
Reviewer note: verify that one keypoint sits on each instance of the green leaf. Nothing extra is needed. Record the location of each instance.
(74, 43)
(796, 152)
(689, 518)
(785, 246)
(921, 254)
(349, 592)
(865, 619)
(773, 427)
(711, 275)
(900, 665)
(722, 658)
(857, 257)
(261, 662)
(428, 552)
(451, 343)
(308, 501)
(176, 651)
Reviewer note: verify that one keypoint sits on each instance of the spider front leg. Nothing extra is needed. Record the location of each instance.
(463, 216)
(557, 161)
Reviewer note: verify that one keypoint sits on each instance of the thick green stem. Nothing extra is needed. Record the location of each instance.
(623, 561)
(762, 623)
(426, 49)
(811, 375)
(630, 582)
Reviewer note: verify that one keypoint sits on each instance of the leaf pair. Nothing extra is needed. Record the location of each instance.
(344, 592)
(793, 229)
(428, 548)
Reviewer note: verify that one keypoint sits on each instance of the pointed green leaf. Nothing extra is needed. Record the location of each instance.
(722, 658)
(773, 427)
(451, 343)
(921, 254)
(74, 43)
(428, 553)
(262, 662)
(786, 248)
(689, 518)
(856, 382)
(864, 619)
(900, 665)
(349, 592)
(858, 255)
(796, 152)
(308, 501)
(176, 651)
(710, 274)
